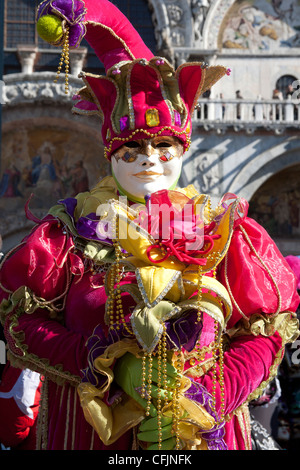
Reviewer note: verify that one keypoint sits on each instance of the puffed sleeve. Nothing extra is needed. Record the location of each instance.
(264, 297)
(34, 281)
(257, 276)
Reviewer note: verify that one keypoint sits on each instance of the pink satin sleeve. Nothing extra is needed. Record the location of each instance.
(50, 340)
(246, 365)
(256, 274)
(43, 264)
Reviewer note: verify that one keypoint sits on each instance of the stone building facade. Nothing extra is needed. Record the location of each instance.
(249, 146)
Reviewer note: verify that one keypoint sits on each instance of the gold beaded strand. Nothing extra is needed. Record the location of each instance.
(143, 390)
(175, 403)
(64, 59)
(149, 381)
(221, 380)
(114, 302)
(218, 378)
(214, 371)
(164, 361)
(111, 297)
(159, 393)
(199, 294)
(118, 301)
(114, 292)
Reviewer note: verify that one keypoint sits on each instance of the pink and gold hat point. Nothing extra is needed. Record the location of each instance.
(140, 95)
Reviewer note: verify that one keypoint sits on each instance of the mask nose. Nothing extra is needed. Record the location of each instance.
(147, 163)
(148, 152)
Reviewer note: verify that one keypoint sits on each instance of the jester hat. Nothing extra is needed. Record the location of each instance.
(141, 95)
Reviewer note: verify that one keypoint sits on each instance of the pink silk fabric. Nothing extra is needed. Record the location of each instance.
(44, 263)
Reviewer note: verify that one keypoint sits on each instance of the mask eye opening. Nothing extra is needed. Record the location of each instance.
(163, 145)
(132, 144)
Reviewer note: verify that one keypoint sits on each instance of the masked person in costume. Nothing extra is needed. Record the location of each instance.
(149, 332)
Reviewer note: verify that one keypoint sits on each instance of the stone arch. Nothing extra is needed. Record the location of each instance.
(213, 22)
(260, 168)
(289, 72)
(276, 206)
(37, 110)
(261, 36)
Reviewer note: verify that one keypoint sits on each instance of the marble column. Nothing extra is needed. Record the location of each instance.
(27, 56)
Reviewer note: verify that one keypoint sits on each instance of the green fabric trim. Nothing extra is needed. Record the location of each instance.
(58, 211)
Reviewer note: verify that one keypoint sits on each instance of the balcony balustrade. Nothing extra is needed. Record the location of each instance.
(247, 113)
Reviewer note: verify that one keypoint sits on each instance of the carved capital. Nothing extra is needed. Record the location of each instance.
(77, 58)
(27, 56)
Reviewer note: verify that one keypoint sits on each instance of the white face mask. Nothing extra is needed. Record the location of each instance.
(145, 166)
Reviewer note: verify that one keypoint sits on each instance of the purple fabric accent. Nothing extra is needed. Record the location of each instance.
(96, 346)
(184, 331)
(73, 11)
(76, 34)
(214, 437)
(85, 226)
(178, 332)
(124, 123)
(70, 205)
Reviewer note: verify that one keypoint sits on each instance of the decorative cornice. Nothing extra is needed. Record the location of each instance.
(37, 87)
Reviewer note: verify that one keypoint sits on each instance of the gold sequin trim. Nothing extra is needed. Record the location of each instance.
(107, 150)
(129, 99)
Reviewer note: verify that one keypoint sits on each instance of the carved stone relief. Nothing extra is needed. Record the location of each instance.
(179, 27)
(19, 88)
(203, 171)
(199, 13)
(208, 172)
(173, 23)
(213, 21)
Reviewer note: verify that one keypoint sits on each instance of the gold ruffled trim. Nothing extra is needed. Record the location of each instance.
(111, 422)
(243, 417)
(286, 324)
(31, 361)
